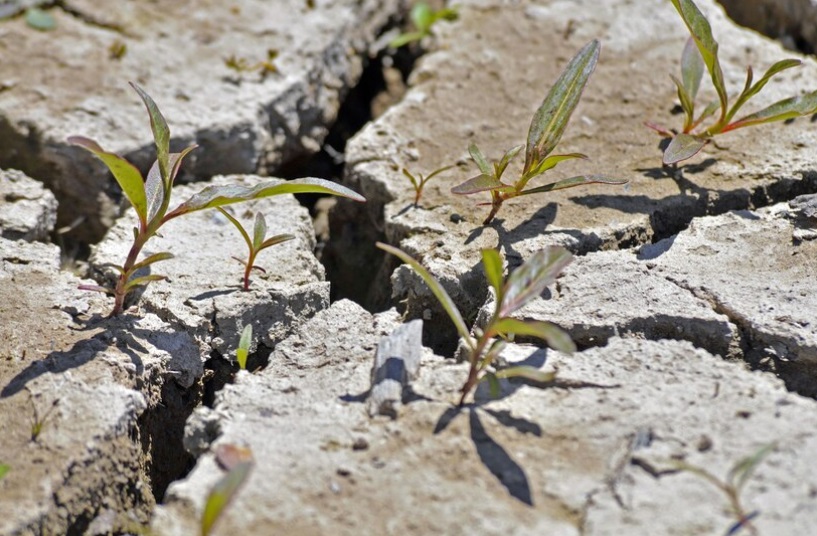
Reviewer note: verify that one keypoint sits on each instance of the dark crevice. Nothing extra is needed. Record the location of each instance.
(218, 372)
(772, 19)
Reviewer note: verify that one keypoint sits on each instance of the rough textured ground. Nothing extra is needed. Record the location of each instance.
(689, 297)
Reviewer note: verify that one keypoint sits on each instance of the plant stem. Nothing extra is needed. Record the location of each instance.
(496, 203)
(120, 292)
(247, 269)
(473, 372)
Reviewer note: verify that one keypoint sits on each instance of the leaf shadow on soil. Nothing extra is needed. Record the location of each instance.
(119, 332)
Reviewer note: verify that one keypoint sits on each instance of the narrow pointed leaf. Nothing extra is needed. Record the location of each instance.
(572, 182)
(216, 196)
(492, 264)
(687, 104)
(751, 90)
(710, 109)
(779, 111)
(682, 147)
(161, 132)
(156, 257)
(439, 292)
(701, 31)
(128, 177)
(692, 69)
(259, 231)
(480, 183)
(154, 191)
(222, 493)
(555, 336)
(494, 388)
(551, 161)
(529, 373)
(479, 159)
(176, 162)
(144, 280)
(742, 471)
(411, 178)
(506, 159)
(437, 172)
(664, 131)
(238, 226)
(406, 38)
(277, 239)
(244, 347)
(530, 279)
(550, 120)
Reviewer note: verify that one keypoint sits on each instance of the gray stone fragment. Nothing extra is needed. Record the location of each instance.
(396, 364)
(28, 211)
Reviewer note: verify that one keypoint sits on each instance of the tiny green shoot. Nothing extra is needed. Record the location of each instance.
(420, 181)
(238, 462)
(244, 347)
(150, 198)
(423, 18)
(701, 51)
(546, 129)
(4, 469)
(732, 486)
(522, 285)
(256, 244)
(38, 422)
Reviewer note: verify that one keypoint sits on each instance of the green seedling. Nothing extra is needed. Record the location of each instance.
(701, 51)
(732, 486)
(244, 347)
(484, 347)
(3, 470)
(419, 181)
(546, 129)
(150, 198)
(238, 462)
(256, 244)
(38, 422)
(423, 18)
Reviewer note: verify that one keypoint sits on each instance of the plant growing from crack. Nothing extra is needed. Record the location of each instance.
(38, 421)
(420, 181)
(701, 51)
(256, 244)
(423, 18)
(238, 462)
(150, 198)
(243, 350)
(485, 345)
(546, 129)
(732, 486)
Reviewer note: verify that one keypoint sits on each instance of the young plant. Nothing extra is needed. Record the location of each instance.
(423, 18)
(419, 181)
(732, 486)
(4, 469)
(238, 462)
(244, 347)
(150, 198)
(521, 286)
(38, 422)
(256, 244)
(546, 129)
(701, 51)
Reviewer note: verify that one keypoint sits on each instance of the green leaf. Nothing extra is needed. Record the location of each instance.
(550, 120)
(509, 155)
(161, 133)
(406, 38)
(743, 469)
(154, 191)
(692, 69)
(492, 264)
(779, 111)
(216, 196)
(422, 17)
(259, 231)
(176, 162)
(750, 90)
(144, 280)
(147, 261)
(479, 159)
(682, 147)
(439, 292)
(437, 172)
(702, 33)
(128, 177)
(710, 109)
(238, 226)
(530, 279)
(555, 336)
(687, 104)
(277, 239)
(572, 182)
(408, 174)
(551, 161)
(4, 469)
(40, 19)
(529, 373)
(480, 183)
(244, 347)
(494, 389)
(222, 493)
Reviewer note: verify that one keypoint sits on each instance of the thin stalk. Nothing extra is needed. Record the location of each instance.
(120, 292)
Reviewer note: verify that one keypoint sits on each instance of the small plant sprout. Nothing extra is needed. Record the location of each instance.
(238, 462)
(419, 181)
(38, 422)
(524, 284)
(701, 51)
(150, 198)
(244, 347)
(423, 18)
(3, 470)
(546, 129)
(737, 477)
(256, 244)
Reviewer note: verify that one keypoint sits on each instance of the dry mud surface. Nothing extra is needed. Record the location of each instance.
(690, 296)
